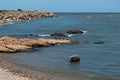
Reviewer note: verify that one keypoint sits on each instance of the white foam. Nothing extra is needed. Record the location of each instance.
(70, 35)
(88, 17)
(43, 35)
(84, 32)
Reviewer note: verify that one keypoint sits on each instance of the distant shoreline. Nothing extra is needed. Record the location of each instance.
(12, 16)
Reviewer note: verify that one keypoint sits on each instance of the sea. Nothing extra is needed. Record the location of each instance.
(99, 47)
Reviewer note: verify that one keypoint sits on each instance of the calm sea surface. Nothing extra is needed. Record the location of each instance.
(99, 49)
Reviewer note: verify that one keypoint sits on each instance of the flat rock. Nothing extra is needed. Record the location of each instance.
(57, 34)
(9, 44)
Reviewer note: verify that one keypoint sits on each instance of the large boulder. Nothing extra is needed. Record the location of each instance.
(74, 58)
(57, 34)
(75, 32)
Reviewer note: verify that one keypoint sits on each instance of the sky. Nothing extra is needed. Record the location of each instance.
(63, 5)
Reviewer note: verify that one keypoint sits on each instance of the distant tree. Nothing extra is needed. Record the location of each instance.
(20, 10)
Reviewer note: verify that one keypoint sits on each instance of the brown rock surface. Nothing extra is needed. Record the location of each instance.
(9, 44)
(11, 16)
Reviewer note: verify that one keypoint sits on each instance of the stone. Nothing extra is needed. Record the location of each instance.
(74, 58)
(100, 42)
(11, 45)
(57, 34)
(3, 49)
(18, 48)
(75, 32)
(8, 16)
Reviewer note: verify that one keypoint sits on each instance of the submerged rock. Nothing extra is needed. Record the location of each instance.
(10, 45)
(100, 42)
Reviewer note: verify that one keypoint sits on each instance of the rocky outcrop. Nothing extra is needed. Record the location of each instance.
(11, 45)
(57, 34)
(75, 32)
(11, 16)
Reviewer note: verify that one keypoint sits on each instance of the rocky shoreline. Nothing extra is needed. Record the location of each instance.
(13, 45)
(12, 16)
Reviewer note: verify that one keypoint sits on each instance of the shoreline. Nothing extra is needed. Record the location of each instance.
(22, 72)
(13, 16)
(8, 71)
(5, 75)
(28, 73)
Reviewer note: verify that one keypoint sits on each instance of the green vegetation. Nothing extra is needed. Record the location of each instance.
(20, 10)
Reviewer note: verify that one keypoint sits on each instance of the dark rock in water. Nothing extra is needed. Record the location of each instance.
(75, 32)
(56, 34)
(33, 35)
(101, 42)
(74, 58)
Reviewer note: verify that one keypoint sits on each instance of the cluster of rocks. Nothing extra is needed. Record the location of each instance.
(10, 16)
(12, 45)
(69, 32)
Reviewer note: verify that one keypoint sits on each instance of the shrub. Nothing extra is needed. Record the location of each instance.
(20, 10)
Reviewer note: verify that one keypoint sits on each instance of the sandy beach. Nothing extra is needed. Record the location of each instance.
(6, 75)
(11, 71)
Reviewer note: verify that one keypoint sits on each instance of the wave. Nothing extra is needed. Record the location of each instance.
(70, 35)
(84, 32)
(37, 35)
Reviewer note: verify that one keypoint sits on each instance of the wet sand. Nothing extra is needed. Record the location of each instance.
(12, 71)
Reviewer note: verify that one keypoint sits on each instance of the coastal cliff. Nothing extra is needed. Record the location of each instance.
(11, 16)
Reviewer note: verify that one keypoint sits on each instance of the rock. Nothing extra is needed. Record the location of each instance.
(74, 58)
(8, 16)
(18, 48)
(11, 45)
(75, 32)
(3, 49)
(57, 34)
(100, 42)
(58, 41)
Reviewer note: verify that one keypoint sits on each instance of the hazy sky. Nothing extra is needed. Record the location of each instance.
(63, 5)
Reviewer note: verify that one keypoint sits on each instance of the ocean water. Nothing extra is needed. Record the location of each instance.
(99, 47)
